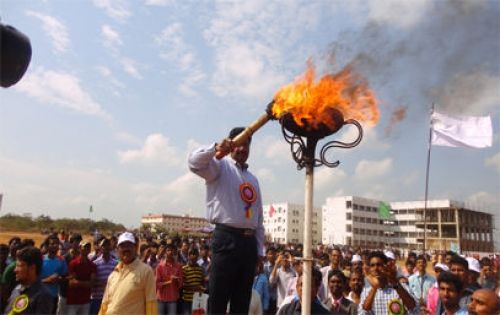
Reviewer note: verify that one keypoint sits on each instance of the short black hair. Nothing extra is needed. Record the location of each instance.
(15, 239)
(317, 277)
(421, 257)
(448, 277)
(485, 261)
(193, 251)
(377, 254)
(75, 237)
(339, 274)
(31, 256)
(457, 260)
(236, 131)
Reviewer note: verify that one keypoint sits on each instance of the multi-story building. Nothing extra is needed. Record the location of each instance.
(450, 225)
(284, 223)
(354, 221)
(174, 223)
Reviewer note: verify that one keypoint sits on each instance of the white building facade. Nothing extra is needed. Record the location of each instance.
(284, 223)
(354, 221)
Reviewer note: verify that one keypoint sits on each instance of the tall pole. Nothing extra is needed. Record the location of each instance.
(426, 197)
(307, 253)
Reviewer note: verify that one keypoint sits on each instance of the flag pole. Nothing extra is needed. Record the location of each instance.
(426, 196)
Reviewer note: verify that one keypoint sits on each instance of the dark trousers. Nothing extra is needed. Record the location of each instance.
(232, 271)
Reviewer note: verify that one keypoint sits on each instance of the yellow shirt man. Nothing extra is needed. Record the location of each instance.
(131, 288)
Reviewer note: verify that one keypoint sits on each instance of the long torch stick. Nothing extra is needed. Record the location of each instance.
(252, 128)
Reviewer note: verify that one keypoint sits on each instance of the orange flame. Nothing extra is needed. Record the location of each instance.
(308, 101)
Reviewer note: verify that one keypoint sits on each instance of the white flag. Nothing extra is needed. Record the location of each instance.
(465, 131)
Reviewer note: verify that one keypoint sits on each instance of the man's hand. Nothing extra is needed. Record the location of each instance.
(224, 148)
(374, 281)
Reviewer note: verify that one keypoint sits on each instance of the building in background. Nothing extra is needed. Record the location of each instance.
(354, 221)
(174, 223)
(284, 223)
(450, 226)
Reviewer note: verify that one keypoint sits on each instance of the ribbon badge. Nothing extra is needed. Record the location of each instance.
(395, 307)
(20, 304)
(248, 195)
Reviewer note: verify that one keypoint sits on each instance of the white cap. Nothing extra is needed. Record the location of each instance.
(389, 255)
(126, 237)
(441, 266)
(473, 264)
(356, 258)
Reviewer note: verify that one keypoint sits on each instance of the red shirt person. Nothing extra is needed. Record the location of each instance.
(82, 273)
(168, 282)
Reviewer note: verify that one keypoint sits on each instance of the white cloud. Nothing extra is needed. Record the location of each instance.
(130, 67)
(177, 51)
(265, 174)
(156, 148)
(160, 3)
(106, 73)
(116, 9)
(55, 30)
(493, 162)
(367, 169)
(402, 14)
(253, 44)
(61, 89)
(111, 38)
(326, 178)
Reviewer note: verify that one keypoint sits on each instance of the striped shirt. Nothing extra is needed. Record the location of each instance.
(193, 279)
(104, 269)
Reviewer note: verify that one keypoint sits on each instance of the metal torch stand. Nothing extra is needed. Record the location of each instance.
(307, 253)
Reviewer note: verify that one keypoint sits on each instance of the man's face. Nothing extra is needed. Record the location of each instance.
(335, 257)
(193, 258)
(106, 248)
(53, 246)
(356, 282)
(336, 286)
(447, 260)
(240, 153)
(23, 271)
(271, 257)
(169, 253)
(459, 271)
(483, 302)
(127, 252)
(85, 250)
(185, 247)
(204, 253)
(421, 265)
(298, 287)
(377, 267)
(448, 294)
(358, 265)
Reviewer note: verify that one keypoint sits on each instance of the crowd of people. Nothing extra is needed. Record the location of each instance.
(122, 275)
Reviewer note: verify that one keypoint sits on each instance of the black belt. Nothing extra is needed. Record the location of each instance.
(234, 230)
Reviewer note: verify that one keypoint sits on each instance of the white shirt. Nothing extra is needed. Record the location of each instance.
(224, 203)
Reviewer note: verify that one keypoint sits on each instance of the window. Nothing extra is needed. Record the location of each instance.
(348, 204)
(348, 228)
(348, 216)
(356, 231)
(355, 207)
(362, 219)
(362, 208)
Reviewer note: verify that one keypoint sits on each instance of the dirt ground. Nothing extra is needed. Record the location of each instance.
(5, 236)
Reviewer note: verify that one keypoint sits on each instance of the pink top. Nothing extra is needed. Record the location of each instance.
(432, 298)
(169, 292)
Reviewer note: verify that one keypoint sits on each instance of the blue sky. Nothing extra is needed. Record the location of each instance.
(118, 92)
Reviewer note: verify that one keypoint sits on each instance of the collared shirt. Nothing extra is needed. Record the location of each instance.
(268, 268)
(261, 285)
(382, 299)
(130, 290)
(103, 270)
(294, 307)
(460, 311)
(169, 292)
(282, 279)
(38, 297)
(418, 284)
(224, 203)
(56, 265)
